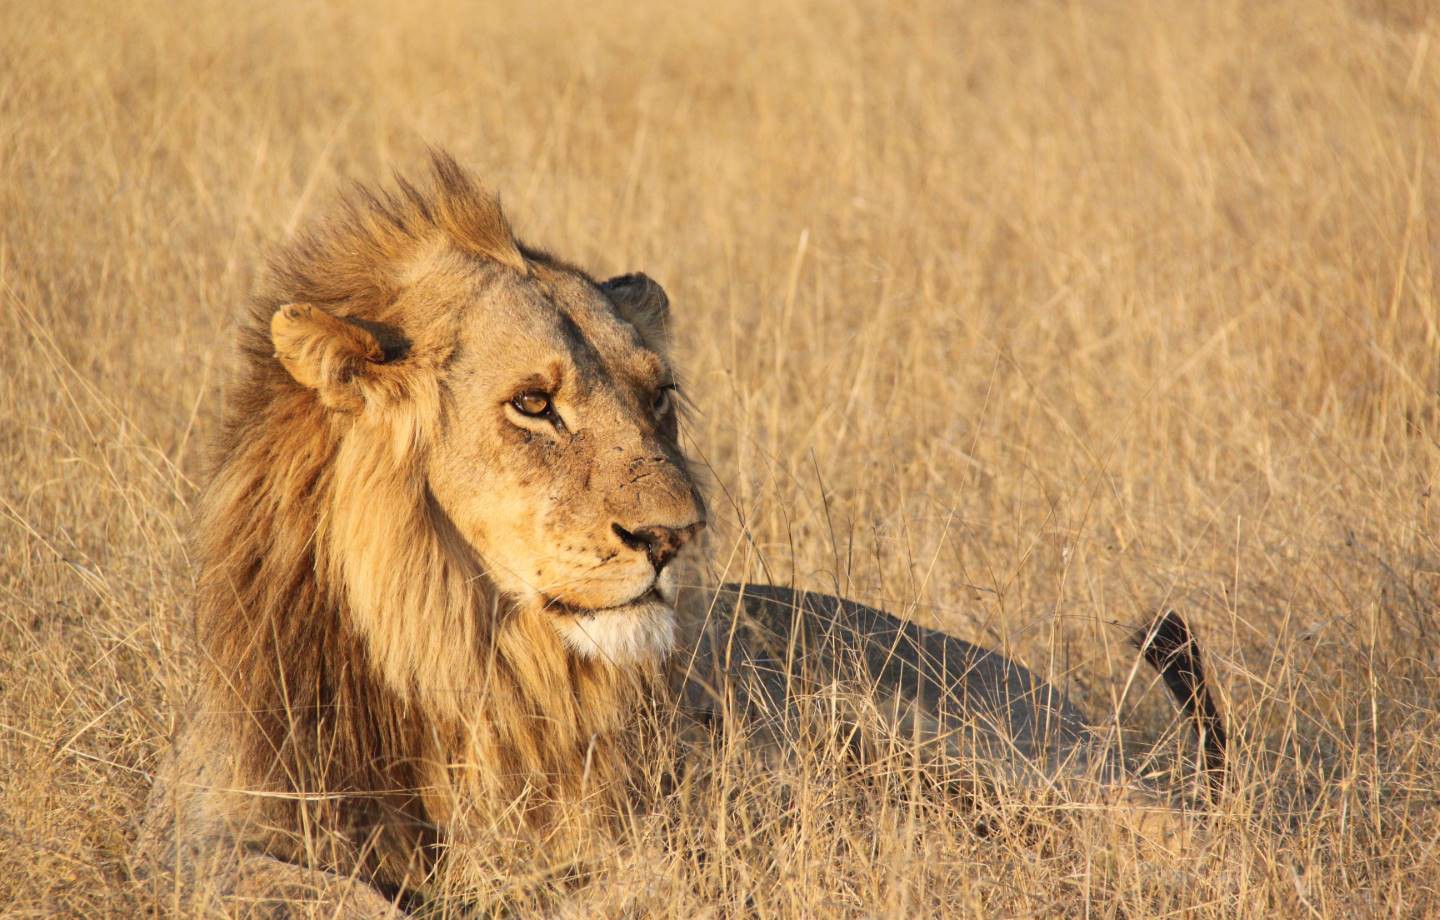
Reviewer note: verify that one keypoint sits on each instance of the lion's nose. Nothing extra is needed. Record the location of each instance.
(660, 543)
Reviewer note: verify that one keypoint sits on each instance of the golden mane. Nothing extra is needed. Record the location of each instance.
(356, 256)
(349, 631)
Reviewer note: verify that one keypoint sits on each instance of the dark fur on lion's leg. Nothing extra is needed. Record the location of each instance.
(1169, 647)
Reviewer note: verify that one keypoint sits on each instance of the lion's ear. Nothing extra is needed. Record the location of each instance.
(325, 353)
(643, 304)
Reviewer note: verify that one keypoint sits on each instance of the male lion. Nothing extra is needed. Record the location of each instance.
(437, 593)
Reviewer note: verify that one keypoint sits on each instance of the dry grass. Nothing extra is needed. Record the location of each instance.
(1020, 318)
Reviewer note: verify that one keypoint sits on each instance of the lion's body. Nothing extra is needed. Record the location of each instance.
(434, 592)
(763, 654)
(765, 650)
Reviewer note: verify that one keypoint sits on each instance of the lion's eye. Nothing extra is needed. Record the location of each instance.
(664, 400)
(533, 403)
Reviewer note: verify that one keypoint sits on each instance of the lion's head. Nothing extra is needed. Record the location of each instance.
(538, 406)
(448, 495)
(558, 459)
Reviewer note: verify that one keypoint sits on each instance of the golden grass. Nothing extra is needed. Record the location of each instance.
(1023, 319)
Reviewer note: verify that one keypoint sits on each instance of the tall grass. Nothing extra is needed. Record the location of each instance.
(1020, 319)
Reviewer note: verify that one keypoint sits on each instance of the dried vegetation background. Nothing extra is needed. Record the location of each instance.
(1020, 318)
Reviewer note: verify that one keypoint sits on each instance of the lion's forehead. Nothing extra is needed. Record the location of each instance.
(566, 330)
(614, 345)
(589, 322)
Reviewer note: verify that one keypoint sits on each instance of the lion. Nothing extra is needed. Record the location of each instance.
(438, 597)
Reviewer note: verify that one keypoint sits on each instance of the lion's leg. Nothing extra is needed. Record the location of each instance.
(192, 868)
(258, 887)
(264, 887)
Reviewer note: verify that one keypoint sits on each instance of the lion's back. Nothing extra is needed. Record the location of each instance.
(765, 650)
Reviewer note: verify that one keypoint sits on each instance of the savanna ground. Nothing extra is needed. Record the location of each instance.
(1022, 319)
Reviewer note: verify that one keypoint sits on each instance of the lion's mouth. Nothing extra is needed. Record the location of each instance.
(649, 596)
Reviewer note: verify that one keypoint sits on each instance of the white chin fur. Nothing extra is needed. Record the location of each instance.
(645, 632)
